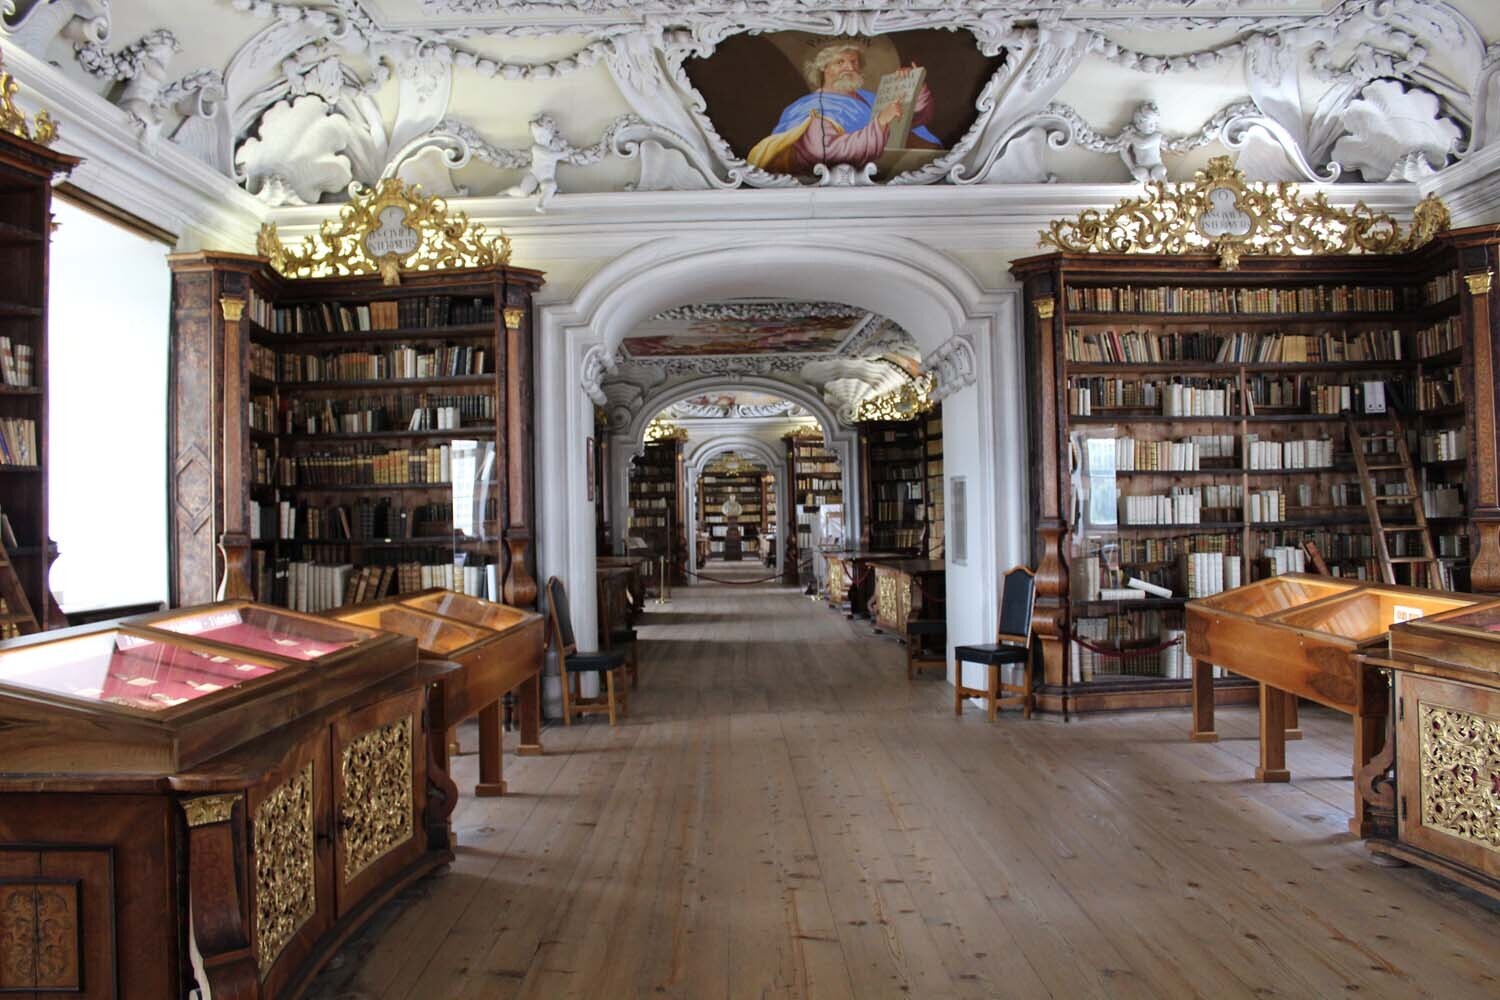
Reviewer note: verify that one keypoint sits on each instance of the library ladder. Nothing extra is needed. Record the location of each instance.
(1395, 459)
(15, 609)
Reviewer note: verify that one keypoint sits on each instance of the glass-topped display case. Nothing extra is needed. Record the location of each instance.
(475, 611)
(157, 693)
(1277, 594)
(496, 648)
(1467, 638)
(1367, 614)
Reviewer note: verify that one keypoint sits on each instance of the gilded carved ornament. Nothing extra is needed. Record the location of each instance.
(1480, 282)
(1220, 212)
(209, 809)
(42, 131)
(233, 307)
(907, 401)
(386, 230)
(664, 430)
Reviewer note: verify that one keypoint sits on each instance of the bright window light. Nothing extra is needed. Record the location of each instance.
(108, 311)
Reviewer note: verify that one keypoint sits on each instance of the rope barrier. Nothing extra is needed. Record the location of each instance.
(733, 583)
(1110, 652)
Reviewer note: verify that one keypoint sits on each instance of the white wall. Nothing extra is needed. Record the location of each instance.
(109, 299)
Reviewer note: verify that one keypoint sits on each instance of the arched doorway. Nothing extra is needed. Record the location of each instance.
(967, 336)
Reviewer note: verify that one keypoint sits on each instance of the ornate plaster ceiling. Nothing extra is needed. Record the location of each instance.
(529, 98)
(844, 355)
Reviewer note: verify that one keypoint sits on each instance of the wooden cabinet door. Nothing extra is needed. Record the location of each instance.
(1448, 770)
(379, 787)
(290, 820)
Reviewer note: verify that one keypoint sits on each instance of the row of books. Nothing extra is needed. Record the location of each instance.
(1440, 289)
(313, 587)
(1444, 446)
(1259, 301)
(1289, 348)
(412, 311)
(17, 363)
(886, 454)
(805, 468)
(1283, 559)
(1310, 453)
(1198, 399)
(1181, 506)
(897, 491)
(1444, 501)
(396, 467)
(263, 413)
(1299, 392)
(1442, 336)
(1135, 455)
(399, 362)
(18, 441)
(1437, 391)
(369, 414)
(1358, 397)
(1266, 505)
(365, 519)
(1209, 573)
(819, 484)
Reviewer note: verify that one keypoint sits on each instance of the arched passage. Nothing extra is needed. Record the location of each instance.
(932, 296)
(697, 458)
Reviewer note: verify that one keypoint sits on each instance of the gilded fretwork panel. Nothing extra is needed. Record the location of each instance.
(838, 582)
(285, 884)
(886, 595)
(1460, 763)
(377, 806)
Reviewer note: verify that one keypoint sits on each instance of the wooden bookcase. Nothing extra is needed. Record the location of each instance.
(658, 504)
(933, 475)
(315, 458)
(27, 171)
(717, 487)
(768, 517)
(815, 479)
(894, 471)
(1361, 319)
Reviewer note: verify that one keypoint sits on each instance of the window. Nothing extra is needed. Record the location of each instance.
(108, 317)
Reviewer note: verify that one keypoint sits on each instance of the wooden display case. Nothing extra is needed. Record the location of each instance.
(261, 804)
(906, 589)
(498, 649)
(1304, 636)
(1443, 808)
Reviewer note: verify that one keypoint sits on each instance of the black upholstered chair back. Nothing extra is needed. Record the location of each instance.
(1017, 595)
(557, 597)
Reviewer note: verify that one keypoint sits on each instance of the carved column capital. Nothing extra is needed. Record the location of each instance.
(233, 307)
(1479, 283)
(1045, 307)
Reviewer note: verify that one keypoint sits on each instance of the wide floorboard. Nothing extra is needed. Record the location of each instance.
(784, 815)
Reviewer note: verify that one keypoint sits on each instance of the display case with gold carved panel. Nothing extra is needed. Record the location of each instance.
(906, 589)
(1447, 760)
(208, 772)
(497, 649)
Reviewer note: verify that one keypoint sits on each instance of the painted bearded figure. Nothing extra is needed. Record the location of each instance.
(838, 121)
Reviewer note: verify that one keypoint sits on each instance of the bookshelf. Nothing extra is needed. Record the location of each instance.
(744, 484)
(1190, 434)
(933, 475)
(657, 503)
(768, 517)
(894, 467)
(816, 479)
(357, 403)
(27, 170)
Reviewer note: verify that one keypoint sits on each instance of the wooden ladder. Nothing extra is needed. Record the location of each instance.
(1374, 501)
(16, 611)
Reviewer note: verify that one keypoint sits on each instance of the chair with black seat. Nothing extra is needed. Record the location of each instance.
(926, 645)
(1012, 646)
(609, 665)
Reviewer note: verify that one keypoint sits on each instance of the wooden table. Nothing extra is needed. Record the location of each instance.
(497, 648)
(1304, 636)
(851, 578)
(905, 589)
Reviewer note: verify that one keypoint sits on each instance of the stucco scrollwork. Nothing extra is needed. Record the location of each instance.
(951, 367)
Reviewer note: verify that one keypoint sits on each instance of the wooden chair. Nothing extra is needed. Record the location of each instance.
(920, 632)
(573, 664)
(1012, 645)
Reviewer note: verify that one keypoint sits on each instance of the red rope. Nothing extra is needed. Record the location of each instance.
(733, 583)
(1119, 654)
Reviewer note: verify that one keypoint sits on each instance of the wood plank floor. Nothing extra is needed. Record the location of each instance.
(784, 815)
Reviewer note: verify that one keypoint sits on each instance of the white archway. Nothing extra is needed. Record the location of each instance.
(703, 452)
(930, 294)
(631, 441)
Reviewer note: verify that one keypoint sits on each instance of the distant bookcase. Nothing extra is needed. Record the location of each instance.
(933, 457)
(744, 486)
(27, 171)
(816, 480)
(658, 504)
(895, 471)
(327, 474)
(1189, 433)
